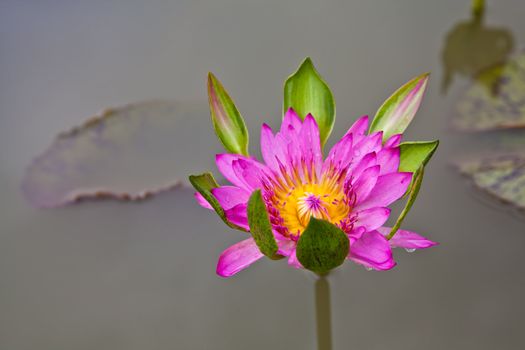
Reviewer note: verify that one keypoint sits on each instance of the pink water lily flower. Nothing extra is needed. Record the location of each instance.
(351, 188)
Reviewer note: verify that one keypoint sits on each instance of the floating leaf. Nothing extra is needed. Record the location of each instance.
(204, 183)
(227, 121)
(414, 154)
(322, 246)
(396, 113)
(260, 226)
(412, 195)
(496, 100)
(471, 47)
(125, 153)
(307, 93)
(502, 176)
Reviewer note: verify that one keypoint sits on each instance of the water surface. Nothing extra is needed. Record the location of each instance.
(111, 275)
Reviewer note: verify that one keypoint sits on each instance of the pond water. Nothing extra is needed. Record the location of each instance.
(141, 275)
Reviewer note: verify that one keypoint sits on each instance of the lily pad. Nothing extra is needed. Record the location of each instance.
(501, 106)
(472, 47)
(502, 176)
(126, 153)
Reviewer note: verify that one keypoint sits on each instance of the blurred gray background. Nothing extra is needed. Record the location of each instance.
(110, 275)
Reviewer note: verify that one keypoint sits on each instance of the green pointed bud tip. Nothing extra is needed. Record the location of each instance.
(227, 121)
(398, 111)
(307, 93)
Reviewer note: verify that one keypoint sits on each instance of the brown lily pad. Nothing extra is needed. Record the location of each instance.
(126, 153)
(502, 176)
(501, 105)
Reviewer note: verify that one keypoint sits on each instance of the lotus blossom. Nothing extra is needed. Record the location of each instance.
(351, 188)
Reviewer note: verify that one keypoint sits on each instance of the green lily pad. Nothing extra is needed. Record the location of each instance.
(472, 47)
(322, 246)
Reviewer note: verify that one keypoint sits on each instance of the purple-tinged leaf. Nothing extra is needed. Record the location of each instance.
(126, 153)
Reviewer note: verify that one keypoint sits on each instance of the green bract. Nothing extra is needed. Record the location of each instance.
(227, 121)
(413, 158)
(307, 93)
(398, 110)
(416, 153)
(260, 226)
(204, 183)
(412, 195)
(322, 246)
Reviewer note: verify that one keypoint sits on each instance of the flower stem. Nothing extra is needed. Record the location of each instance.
(478, 8)
(323, 314)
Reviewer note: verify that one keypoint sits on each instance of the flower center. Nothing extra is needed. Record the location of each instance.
(292, 206)
(312, 205)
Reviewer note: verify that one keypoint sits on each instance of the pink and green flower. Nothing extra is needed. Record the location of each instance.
(317, 211)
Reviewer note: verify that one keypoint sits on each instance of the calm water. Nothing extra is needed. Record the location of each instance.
(110, 275)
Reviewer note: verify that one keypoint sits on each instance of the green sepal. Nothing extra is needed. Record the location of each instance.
(307, 93)
(416, 153)
(412, 195)
(204, 183)
(227, 121)
(260, 226)
(396, 113)
(322, 246)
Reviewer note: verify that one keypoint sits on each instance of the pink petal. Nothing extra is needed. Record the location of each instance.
(311, 142)
(372, 250)
(372, 219)
(394, 140)
(250, 173)
(286, 247)
(366, 183)
(238, 215)
(267, 146)
(366, 162)
(356, 233)
(293, 261)
(388, 159)
(407, 239)
(371, 143)
(359, 128)
(388, 189)
(230, 196)
(341, 154)
(291, 118)
(202, 202)
(238, 257)
(224, 164)
(274, 148)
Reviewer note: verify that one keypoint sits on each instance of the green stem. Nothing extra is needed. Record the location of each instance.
(478, 8)
(323, 314)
